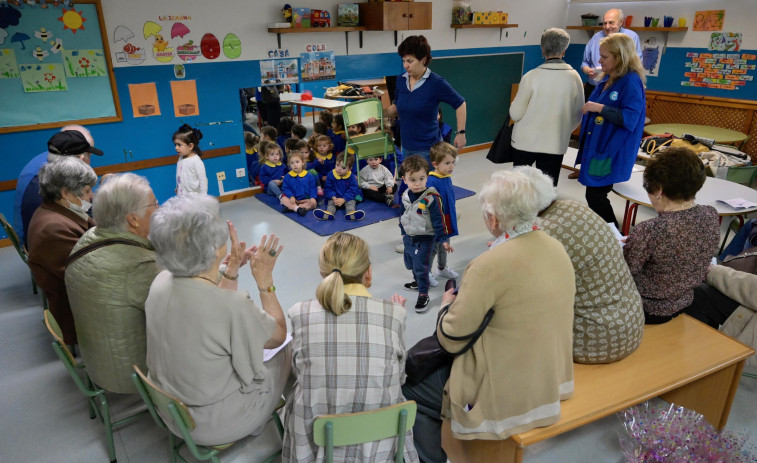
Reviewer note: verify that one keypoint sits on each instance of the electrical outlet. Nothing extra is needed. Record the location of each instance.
(221, 176)
(240, 172)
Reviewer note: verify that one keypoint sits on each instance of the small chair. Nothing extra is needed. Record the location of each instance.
(331, 431)
(157, 399)
(19, 248)
(98, 402)
(732, 227)
(742, 175)
(371, 144)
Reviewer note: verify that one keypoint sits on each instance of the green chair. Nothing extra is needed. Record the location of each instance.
(732, 227)
(98, 402)
(742, 175)
(19, 248)
(157, 399)
(331, 431)
(371, 144)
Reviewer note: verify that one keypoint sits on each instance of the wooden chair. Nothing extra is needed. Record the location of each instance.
(157, 399)
(371, 144)
(20, 249)
(331, 431)
(98, 401)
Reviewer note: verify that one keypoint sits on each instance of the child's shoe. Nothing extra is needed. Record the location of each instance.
(446, 272)
(431, 280)
(301, 211)
(421, 306)
(285, 209)
(320, 214)
(355, 215)
(400, 248)
(389, 199)
(320, 191)
(412, 286)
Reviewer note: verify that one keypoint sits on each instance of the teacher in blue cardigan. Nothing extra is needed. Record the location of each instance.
(612, 124)
(417, 97)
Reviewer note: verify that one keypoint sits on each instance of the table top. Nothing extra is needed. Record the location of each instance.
(367, 82)
(719, 134)
(322, 103)
(712, 190)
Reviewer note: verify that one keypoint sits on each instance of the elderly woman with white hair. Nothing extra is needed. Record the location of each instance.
(547, 108)
(55, 227)
(513, 378)
(608, 314)
(205, 340)
(108, 276)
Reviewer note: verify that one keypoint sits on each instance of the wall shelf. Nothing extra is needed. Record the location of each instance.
(304, 30)
(482, 26)
(665, 30)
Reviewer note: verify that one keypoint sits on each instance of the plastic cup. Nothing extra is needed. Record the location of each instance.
(681, 22)
(629, 20)
(647, 21)
(655, 22)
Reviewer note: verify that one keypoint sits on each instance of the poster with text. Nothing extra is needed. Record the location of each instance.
(318, 65)
(279, 71)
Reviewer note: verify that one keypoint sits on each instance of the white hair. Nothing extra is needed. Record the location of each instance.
(71, 174)
(542, 184)
(512, 199)
(554, 42)
(186, 232)
(119, 196)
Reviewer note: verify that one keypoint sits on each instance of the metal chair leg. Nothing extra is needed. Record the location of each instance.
(105, 409)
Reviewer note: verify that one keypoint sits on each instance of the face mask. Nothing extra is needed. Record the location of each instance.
(83, 208)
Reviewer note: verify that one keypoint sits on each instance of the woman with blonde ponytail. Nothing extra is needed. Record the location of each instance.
(349, 355)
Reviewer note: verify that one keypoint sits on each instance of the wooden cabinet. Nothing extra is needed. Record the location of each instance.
(395, 16)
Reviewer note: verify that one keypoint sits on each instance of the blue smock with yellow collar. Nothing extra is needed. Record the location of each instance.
(344, 187)
(607, 152)
(443, 185)
(301, 186)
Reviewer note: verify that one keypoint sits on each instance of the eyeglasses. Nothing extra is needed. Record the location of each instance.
(154, 204)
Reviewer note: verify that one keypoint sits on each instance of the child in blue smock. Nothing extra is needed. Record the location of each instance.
(341, 190)
(324, 160)
(272, 170)
(337, 135)
(443, 158)
(299, 192)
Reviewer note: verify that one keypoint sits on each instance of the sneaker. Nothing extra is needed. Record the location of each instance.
(320, 214)
(400, 248)
(446, 273)
(432, 281)
(412, 286)
(354, 216)
(389, 200)
(320, 191)
(301, 211)
(285, 210)
(421, 306)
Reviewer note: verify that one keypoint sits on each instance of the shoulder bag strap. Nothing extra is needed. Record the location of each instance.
(473, 337)
(100, 244)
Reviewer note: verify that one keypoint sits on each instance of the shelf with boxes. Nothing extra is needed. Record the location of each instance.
(305, 20)
(665, 30)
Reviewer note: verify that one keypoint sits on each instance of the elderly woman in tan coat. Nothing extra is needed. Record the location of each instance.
(516, 374)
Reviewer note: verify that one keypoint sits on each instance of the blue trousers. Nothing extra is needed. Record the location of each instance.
(418, 259)
(427, 430)
(273, 189)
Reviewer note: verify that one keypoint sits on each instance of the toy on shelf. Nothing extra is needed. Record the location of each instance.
(320, 18)
(287, 13)
(301, 17)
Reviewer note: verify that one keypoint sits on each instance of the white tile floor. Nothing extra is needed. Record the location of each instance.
(43, 418)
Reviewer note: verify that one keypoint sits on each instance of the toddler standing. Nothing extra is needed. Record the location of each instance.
(272, 170)
(377, 182)
(190, 170)
(421, 224)
(341, 190)
(443, 157)
(298, 191)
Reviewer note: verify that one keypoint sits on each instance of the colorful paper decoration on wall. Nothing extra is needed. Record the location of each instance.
(318, 65)
(184, 93)
(130, 53)
(84, 63)
(726, 71)
(279, 71)
(725, 41)
(710, 20)
(232, 46)
(72, 20)
(144, 99)
(48, 77)
(210, 46)
(8, 65)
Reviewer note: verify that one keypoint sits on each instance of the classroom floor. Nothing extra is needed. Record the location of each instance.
(43, 417)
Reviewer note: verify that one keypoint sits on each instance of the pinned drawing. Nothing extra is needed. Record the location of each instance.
(210, 47)
(232, 46)
(43, 34)
(711, 20)
(84, 63)
(725, 41)
(39, 53)
(188, 52)
(184, 93)
(150, 29)
(48, 77)
(144, 99)
(160, 49)
(179, 30)
(131, 54)
(179, 71)
(8, 65)
(122, 33)
(72, 20)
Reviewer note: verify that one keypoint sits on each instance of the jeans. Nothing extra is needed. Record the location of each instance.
(418, 259)
(425, 154)
(596, 198)
(349, 206)
(438, 250)
(273, 189)
(739, 242)
(427, 430)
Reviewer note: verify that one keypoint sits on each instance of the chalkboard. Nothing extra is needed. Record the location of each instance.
(55, 66)
(484, 81)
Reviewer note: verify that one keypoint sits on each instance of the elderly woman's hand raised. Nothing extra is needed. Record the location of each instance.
(236, 258)
(263, 260)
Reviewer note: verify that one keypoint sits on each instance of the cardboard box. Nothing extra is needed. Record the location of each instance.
(300, 17)
(478, 17)
(348, 15)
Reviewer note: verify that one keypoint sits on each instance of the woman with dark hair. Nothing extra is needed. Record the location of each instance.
(418, 94)
(670, 254)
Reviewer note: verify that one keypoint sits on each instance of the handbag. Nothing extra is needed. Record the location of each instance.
(428, 355)
(746, 261)
(502, 148)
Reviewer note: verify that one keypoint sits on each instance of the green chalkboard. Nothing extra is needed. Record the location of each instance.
(484, 81)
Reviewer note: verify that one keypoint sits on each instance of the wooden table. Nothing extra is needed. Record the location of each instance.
(712, 190)
(719, 134)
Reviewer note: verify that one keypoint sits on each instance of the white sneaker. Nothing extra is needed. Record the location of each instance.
(400, 248)
(431, 280)
(446, 273)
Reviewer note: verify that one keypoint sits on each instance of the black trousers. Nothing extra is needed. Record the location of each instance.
(379, 195)
(711, 306)
(596, 198)
(588, 88)
(550, 164)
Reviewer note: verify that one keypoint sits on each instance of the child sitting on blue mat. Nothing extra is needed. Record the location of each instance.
(323, 160)
(443, 157)
(272, 170)
(298, 189)
(341, 190)
(377, 182)
(337, 135)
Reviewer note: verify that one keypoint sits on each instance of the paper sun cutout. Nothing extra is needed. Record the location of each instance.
(151, 28)
(179, 30)
(72, 19)
(122, 33)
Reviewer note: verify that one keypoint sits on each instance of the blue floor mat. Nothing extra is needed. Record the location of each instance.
(374, 212)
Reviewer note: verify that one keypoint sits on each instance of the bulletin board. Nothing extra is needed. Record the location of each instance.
(55, 66)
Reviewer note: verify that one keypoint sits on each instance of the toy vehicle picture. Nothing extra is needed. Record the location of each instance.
(320, 18)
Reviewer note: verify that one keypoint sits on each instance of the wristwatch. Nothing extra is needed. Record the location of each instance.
(461, 131)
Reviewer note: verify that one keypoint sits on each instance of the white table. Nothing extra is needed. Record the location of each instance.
(317, 103)
(712, 190)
